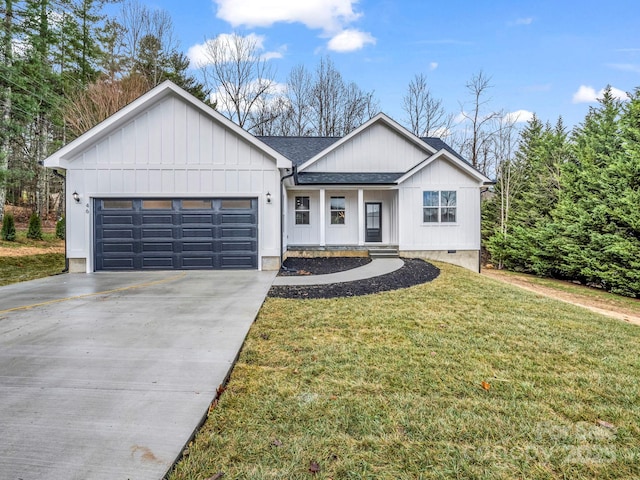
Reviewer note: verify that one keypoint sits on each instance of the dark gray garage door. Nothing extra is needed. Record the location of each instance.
(163, 234)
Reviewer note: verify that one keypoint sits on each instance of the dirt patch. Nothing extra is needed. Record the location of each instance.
(414, 272)
(593, 304)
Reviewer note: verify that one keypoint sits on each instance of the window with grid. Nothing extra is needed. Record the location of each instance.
(439, 206)
(338, 209)
(302, 210)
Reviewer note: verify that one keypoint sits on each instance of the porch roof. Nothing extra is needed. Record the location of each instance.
(322, 178)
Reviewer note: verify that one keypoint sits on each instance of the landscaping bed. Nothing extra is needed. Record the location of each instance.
(294, 266)
(414, 272)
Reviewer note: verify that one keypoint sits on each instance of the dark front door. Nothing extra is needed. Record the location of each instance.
(373, 222)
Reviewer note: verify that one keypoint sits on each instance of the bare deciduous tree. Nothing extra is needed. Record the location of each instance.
(238, 75)
(425, 113)
(338, 108)
(476, 142)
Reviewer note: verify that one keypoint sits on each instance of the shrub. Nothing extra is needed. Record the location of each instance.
(61, 228)
(35, 227)
(8, 228)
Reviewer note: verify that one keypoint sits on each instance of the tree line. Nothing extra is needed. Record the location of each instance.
(567, 205)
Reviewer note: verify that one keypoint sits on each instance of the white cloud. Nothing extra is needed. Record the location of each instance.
(350, 40)
(433, 66)
(199, 57)
(520, 21)
(331, 17)
(625, 67)
(328, 15)
(461, 117)
(587, 94)
(519, 116)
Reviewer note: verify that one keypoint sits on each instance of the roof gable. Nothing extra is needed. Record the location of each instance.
(147, 101)
(457, 161)
(380, 145)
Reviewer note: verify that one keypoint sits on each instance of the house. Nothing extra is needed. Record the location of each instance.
(169, 183)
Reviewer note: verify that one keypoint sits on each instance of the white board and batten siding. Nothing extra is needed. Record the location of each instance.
(171, 150)
(464, 234)
(375, 149)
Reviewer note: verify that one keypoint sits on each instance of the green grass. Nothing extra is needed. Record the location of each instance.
(389, 386)
(21, 241)
(30, 267)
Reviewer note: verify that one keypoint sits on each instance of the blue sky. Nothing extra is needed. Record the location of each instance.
(548, 57)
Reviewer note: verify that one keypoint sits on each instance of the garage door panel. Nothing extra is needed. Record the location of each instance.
(197, 247)
(237, 261)
(238, 246)
(117, 220)
(198, 262)
(148, 247)
(157, 233)
(197, 219)
(195, 234)
(198, 233)
(120, 233)
(118, 264)
(228, 218)
(246, 232)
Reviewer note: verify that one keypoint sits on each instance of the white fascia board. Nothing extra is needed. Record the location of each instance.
(382, 118)
(472, 172)
(60, 159)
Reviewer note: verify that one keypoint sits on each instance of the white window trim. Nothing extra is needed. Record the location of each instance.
(296, 210)
(439, 223)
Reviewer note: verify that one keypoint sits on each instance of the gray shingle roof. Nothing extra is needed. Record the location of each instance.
(319, 178)
(299, 149)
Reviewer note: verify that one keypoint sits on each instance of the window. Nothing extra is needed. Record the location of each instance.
(302, 210)
(241, 204)
(117, 204)
(157, 204)
(196, 204)
(439, 206)
(337, 210)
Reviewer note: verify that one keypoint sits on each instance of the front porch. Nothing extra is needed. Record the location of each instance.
(350, 219)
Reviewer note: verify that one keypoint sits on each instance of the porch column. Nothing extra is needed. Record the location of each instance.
(360, 217)
(323, 220)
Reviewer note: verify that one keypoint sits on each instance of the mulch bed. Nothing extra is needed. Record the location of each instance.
(295, 266)
(414, 272)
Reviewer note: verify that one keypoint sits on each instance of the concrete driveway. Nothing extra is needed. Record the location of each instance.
(107, 375)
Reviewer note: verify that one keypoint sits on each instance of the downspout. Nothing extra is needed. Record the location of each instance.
(64, 197)
(294, 174)
(482, 190)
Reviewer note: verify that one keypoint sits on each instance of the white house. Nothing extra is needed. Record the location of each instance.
(169, 183)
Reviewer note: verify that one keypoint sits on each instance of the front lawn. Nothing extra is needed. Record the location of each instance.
(14, 269)
(463, 377)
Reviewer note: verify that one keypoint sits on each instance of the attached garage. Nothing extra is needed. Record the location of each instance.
(161, 234)
(169, 183)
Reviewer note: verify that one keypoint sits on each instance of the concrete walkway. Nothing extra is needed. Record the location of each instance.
(375, 268)
(107, 375)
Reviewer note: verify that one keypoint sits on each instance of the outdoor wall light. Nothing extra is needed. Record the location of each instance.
(76, 197)
(268, 197)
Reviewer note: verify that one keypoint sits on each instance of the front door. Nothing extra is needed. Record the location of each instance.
(373, 222)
